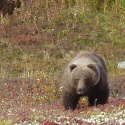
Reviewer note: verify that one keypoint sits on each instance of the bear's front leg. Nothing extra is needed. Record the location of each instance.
(70, 100)
(92, 100)
(102, 97)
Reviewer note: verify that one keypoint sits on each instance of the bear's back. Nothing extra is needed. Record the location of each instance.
(84, 58)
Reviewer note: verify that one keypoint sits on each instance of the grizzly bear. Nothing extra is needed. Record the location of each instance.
(85, 75)
(8, 6)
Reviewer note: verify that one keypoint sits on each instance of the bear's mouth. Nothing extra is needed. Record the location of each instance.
(80, 91)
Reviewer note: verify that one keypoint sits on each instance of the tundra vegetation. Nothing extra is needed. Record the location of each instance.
(38, 39)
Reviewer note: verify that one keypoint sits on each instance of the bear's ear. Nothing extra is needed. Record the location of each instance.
(91, 66)
(72, 66)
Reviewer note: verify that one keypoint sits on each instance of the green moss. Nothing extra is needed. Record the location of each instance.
(5, 122)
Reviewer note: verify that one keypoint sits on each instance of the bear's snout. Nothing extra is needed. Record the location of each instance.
(80, 91)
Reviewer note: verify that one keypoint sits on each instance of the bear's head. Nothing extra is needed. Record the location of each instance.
(83, 77)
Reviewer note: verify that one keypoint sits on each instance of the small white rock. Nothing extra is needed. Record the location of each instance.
(121, 65)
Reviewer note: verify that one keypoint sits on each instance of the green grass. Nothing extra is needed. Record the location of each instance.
(42, 33)
(5, 122)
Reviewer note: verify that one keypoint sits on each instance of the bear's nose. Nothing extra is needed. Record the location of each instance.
(80, 91)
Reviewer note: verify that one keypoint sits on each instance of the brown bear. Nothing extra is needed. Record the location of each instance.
(8, 6)
(85, 75)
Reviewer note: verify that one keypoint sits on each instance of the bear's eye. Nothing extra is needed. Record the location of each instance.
(86, 80)
(76, 81)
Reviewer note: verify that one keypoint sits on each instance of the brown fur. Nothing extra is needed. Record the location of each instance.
(85, 75)
(8, 6)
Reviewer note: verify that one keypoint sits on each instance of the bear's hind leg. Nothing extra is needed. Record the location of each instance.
(70, 101)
